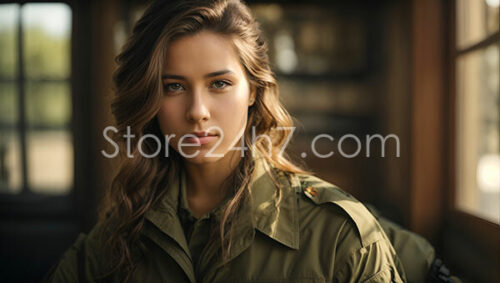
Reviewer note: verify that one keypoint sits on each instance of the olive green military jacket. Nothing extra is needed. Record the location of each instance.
(316, 233)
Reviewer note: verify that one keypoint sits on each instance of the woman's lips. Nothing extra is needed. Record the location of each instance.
(200, 140)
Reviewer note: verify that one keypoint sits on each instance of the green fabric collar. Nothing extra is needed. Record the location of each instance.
(276, 218)
(264, 212)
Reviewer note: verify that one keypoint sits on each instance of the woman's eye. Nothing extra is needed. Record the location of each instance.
(173, 87)
(220, 84)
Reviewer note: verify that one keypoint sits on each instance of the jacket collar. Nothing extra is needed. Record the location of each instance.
(265, 211)
(276, 218)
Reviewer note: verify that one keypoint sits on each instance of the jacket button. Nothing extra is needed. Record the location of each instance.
(312, 191)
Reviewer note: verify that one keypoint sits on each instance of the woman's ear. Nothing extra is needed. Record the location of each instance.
(253, 94)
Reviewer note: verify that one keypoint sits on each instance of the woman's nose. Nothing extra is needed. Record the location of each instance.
(197, 110)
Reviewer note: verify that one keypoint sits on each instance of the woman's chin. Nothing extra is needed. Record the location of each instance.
(202, 157)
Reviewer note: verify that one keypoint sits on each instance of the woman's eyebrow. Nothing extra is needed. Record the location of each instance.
(218, 73)
(213, 74)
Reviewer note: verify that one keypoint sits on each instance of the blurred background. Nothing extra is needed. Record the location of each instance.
(424, 70)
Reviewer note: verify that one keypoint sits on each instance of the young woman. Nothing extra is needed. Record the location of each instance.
(207, 196)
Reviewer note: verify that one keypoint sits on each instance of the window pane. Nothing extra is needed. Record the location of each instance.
(47, 29)
(478, 147)
(10, 151)
(8, 40)
(10, 162)
(476, 19)
(50, 161)
(46, 34)
(48, 104)
(49, 144)
(8, 105)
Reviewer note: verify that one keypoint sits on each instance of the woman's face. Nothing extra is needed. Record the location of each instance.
(205, 91)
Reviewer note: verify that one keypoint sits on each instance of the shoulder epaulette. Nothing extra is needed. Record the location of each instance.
(320, 192)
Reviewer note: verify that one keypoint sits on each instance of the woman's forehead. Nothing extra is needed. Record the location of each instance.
(201, 53)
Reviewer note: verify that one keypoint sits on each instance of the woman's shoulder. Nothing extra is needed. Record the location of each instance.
(335, 207)
(345, 225)
(83, 259)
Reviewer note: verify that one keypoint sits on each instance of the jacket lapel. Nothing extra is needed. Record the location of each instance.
(275, 217)
(164, 219)
(264, 212)
(271, 209)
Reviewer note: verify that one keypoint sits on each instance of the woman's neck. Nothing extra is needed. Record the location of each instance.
(205, 182)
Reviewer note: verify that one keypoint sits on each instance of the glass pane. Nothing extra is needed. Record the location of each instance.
(476, 19)
(47, 30)
(48, 104)
(10, 154)
(8, 37)
(478, 147)
(311, 39)
(50, 161)
(8, 105)
(10, 162)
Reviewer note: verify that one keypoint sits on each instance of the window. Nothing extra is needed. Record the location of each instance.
(477, 108)
(36, 147)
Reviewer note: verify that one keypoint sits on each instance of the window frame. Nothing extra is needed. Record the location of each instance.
(26, 202)
(483, 231)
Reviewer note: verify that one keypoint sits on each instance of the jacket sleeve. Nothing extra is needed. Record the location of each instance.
(66, 270)
(362, 251)
(372, 264)
(373, 261)
(416, 253)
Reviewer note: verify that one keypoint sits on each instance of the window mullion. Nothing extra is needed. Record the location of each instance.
(479, 45)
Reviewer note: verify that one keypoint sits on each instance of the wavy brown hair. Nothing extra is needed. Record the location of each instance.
(141, 181)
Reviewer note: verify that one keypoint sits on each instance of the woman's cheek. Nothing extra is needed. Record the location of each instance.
(167, 121)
